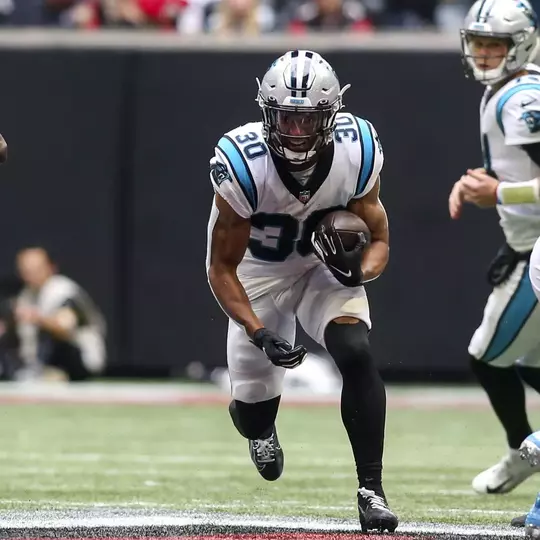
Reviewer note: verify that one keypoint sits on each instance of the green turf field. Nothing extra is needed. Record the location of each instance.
(190, 457)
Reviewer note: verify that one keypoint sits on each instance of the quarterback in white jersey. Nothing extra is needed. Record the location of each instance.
(274, 182)
(499, 40)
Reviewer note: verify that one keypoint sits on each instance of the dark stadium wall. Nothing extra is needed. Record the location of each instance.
(109, 167)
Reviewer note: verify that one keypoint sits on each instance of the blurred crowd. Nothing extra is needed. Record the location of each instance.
(238, 16)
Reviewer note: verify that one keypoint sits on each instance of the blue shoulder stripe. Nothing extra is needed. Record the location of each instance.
(367, 143)
(507, 95)
(240, 169)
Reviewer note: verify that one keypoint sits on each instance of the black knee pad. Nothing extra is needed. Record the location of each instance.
(348, 344)
(254, 420)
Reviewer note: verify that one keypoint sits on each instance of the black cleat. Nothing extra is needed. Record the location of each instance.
(519, 521)
(267, 456)
(374, 512)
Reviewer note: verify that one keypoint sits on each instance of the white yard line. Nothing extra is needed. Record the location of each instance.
(209, 459)
(72, 504)
(458, 511)
(41, 520)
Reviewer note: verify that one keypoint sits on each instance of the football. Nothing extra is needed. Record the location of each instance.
(347, 225)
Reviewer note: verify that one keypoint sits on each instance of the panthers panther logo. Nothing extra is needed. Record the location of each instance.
(532, 119)
(219, 173)
(528, 12)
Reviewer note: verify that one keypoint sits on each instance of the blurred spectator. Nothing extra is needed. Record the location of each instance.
(240, 17)
(91, 14)
(330, 15)
(450, 14)
(160, 14)
(52, 328)
(6, 10)
(410, 13)
(226, 17)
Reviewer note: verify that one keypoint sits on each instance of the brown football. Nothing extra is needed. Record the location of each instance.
(348, 225)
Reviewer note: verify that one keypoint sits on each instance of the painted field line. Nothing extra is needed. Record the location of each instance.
(38, 521)
(459, 511)
(209, 459)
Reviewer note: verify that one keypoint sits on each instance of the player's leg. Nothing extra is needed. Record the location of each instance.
(509, 331)
(337, 317)
(532, 521)
(529, 368)
(530, 447)
(256, 386)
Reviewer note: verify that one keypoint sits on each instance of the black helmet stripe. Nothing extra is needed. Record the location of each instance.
(294, 68)
(486, 11)
(305, 78)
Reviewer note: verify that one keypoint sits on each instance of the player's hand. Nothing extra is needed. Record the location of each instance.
(344, 265)
(278, 350)
(455, 201)
(479, 188)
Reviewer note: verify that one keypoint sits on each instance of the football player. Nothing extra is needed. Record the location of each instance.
(498, 41)
(274, 182)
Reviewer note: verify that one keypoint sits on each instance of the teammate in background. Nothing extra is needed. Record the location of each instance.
(498, 41)
(530, 448)
(274, 181)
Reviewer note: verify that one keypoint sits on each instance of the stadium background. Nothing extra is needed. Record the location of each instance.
(110, 136)
(110, 132)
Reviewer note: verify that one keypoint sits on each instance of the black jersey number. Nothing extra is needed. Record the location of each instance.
(254, 147)
(281, 234)
(345, 129)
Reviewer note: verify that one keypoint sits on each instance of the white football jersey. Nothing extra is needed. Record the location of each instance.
(283, 211)
(510, 118)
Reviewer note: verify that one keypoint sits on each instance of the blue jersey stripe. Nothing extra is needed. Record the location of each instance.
(507, 95)
(513, 318)
(367, 144)
(240, 169)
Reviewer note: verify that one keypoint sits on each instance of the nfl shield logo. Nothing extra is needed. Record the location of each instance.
(304, 196)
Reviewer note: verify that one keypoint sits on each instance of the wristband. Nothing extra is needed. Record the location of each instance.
(518, 192)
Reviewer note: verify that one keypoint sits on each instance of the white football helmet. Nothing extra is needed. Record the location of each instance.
(513, 20)
(299, 97)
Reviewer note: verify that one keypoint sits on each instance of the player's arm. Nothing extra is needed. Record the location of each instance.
(518, 117)
(59, 324)
(230, 238)
(371, 210)
(3, 150)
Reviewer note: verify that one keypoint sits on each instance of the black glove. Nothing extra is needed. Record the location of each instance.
(345, 265)
(279, 351)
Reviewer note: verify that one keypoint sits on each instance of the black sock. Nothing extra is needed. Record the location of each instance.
(507, 396)
(363, 399)
(254, 420)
